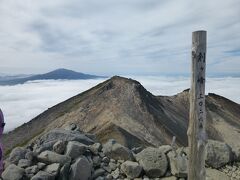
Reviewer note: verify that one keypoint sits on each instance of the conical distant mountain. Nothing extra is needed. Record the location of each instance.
(56, 74)
(123, 109)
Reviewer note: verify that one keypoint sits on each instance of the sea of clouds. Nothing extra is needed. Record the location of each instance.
(20, 103)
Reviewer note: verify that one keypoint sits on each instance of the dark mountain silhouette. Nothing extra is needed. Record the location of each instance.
(123, 109)
(56, 74)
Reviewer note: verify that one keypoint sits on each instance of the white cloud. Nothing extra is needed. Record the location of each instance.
(21, 103)
(110, 37)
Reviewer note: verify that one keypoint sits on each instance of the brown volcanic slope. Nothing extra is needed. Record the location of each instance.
(123, 109)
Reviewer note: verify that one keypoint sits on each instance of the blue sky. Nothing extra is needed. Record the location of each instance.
(110, 37)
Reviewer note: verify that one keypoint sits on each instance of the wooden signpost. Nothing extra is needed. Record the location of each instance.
(197, 137)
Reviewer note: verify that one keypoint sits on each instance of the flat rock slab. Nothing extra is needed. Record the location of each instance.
(213, 174)
(50, 157)
(65, 135)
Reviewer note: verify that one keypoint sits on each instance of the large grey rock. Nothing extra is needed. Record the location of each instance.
(131, 169)
(50, 157)
(80, 170)
(65, 135)
(116, 151)
(59, 147)
(13, 172)
(64, 172)
(153, 161)
(17, 154)
(218, 154)
(53, 168)
(75, 149)
(213, 174)
(42, 175)
(178, 163)
(23, 163)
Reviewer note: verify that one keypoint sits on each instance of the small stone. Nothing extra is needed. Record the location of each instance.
(32, 169)
(53, 168)
(100, 178)
(113, 166)
(106, 160)
(109, 177)
(131, 169)
(95, 148)
(98, 172)
(41, 165)
(30, 155)
(96, 161)
(107, 168)
(115, 173)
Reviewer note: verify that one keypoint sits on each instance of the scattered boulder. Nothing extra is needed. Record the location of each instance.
(114, 150)
(30, 156)
(178, 163)
(95, 148)
(153, 161)
(218, 154)
(23, 163)
(83, 158)
(80, 170)
(41, 165)
(42, 175)
(13, 172)
(17, 154)
(75, 149)
(53, 168)
(131, 169)
(50, 157)
(32, 169)
(59, 147)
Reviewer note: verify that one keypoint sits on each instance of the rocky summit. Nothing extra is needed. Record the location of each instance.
(122, 109)
(70, 154)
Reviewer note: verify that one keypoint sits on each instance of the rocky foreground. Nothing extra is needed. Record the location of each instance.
(69, 154)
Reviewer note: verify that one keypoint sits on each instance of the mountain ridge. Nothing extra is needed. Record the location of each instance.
(123, 109)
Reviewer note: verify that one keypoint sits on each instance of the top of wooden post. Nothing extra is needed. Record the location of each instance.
(199, 37)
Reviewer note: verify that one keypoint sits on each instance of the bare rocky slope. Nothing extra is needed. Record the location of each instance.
(124, 110)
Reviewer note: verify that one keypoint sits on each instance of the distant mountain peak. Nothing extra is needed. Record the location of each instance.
(55, 74)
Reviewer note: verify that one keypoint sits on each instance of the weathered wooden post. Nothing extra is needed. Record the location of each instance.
(197, 118)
